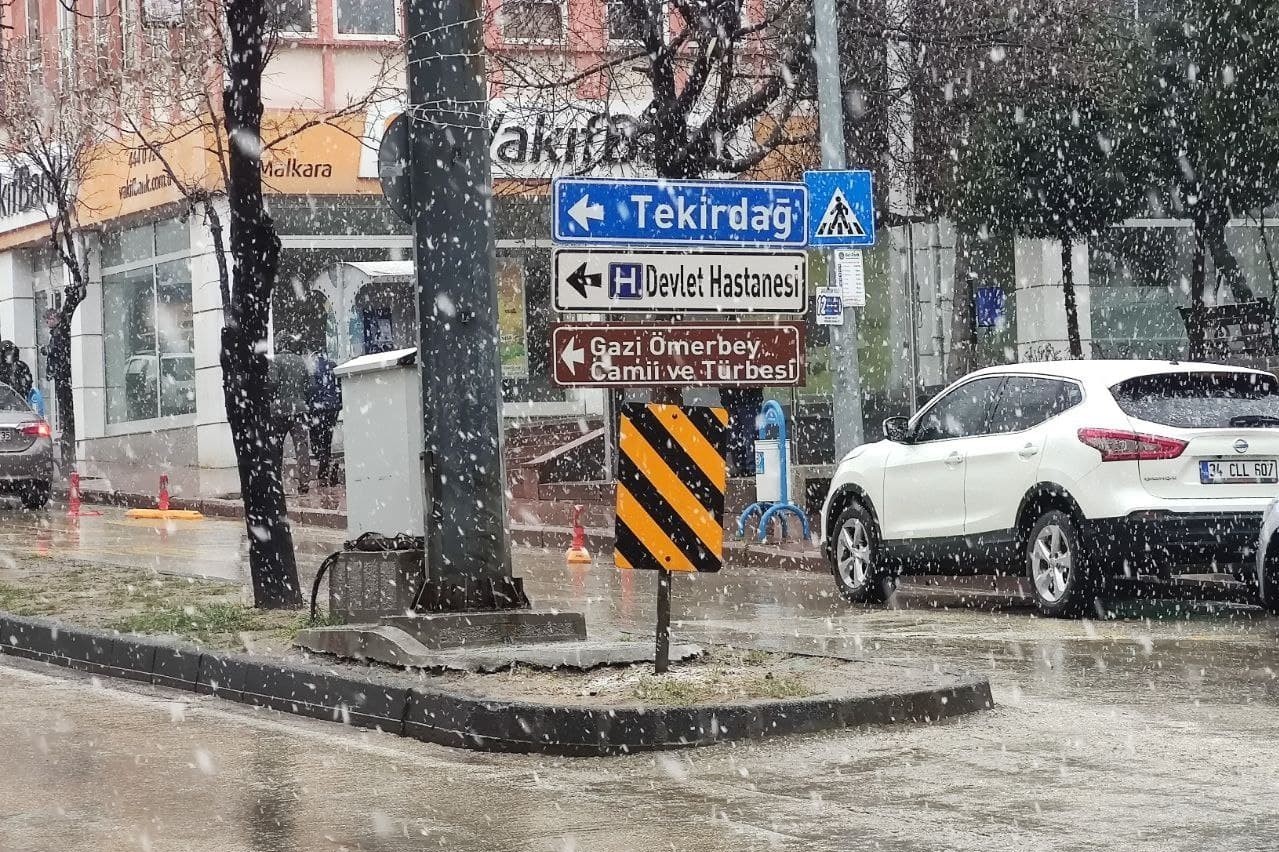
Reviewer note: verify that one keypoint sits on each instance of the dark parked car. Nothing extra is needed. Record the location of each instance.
(26, 451)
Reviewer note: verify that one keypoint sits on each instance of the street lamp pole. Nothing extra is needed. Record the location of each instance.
(467, 551)
(846, 392)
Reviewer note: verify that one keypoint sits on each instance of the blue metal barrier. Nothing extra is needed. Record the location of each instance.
(773, 417)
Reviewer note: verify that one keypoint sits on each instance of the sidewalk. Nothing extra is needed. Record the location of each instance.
(326, 508)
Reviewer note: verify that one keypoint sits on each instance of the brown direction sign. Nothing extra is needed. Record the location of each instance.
(602, 354)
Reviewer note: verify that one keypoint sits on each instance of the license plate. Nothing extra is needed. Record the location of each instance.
(1252, 471)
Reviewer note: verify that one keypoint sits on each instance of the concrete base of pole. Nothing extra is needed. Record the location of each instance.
(467, 629)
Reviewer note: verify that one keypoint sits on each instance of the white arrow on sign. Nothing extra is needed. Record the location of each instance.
(573, 355)
(584, 211)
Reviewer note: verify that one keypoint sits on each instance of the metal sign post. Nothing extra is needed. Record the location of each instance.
(670, 498)
(662, 652)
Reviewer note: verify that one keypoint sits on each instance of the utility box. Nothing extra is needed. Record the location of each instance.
(382, 432)
(365, 586)
(768, 470)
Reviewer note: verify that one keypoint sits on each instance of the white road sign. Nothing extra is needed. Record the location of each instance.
(680, 282)
(850, 277)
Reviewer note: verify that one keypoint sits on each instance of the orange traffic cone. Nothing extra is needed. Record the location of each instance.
(74, 509)
(578, 554)
(162, 512)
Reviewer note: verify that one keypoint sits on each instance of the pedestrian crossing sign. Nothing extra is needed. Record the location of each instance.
(841, 209)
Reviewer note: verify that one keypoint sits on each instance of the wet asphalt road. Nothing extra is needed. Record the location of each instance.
(1157, 731)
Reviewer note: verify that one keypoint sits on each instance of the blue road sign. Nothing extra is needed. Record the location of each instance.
(841, 212)
(991, 303)
(706, 213)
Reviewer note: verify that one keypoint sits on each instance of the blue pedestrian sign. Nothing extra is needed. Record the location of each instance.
(991, 303)
(679, 212)
(841, 209)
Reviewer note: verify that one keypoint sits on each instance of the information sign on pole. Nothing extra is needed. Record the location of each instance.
(626, 355)
(667, 281)
(830, 306)
(850, 277)
(681, 212)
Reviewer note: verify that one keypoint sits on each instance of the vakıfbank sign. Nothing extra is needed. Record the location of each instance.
(531, 141)
(25, 197)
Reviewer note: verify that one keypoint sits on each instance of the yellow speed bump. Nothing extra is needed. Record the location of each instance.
(164, 515)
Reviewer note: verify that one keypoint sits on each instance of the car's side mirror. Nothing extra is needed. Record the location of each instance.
(897, 429)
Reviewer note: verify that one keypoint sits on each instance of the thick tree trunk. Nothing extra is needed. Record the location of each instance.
(1198, 272)
(962, 359)
(1068, 292)
(255, 257)
(59, 361)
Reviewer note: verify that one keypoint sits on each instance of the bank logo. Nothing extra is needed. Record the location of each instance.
(625, 281)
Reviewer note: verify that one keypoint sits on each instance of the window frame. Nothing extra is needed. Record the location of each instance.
(373, 37)
(608, 28)
(314, 32)
(150, 263)
(547, 42)
(919, 418)
(1059, 380)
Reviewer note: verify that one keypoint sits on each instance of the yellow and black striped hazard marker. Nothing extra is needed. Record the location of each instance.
(670, 487)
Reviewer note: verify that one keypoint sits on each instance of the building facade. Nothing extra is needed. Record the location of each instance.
(145, 346)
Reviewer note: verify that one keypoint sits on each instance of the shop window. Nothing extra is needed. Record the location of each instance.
(367, 17)
(624, 23)
(532, 20)
(291, 17)
(148, 341)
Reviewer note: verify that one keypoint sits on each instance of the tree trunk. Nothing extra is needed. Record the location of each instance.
(59, 361)
(1068, 292)
(255, 257)
(77, 265)
(963, 333)
(1195, 321)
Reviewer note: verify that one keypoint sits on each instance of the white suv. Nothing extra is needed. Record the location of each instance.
(1068, 472)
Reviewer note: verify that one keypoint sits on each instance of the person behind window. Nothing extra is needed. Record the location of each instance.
(13, 370)
(290, 385)
(325, 403)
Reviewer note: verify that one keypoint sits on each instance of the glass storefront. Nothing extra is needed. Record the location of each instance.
(148, 333)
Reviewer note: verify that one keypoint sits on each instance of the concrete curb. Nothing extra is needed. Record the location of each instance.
(467, 721)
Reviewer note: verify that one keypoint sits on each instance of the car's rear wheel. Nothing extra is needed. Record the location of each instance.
(1063, 581)
(854, 554)
(34, 494)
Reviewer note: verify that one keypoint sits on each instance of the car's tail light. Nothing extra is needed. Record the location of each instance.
(1118, 445)
(38, 429)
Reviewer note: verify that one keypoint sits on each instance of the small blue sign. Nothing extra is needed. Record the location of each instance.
(683, 212)
(830, 307)
(990, 306)
(841, 211)
(625, 281)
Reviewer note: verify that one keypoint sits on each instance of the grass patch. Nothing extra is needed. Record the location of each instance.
(786, 686)
(210, 623)
(130, 600)
(219, 623)
(20, 601)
